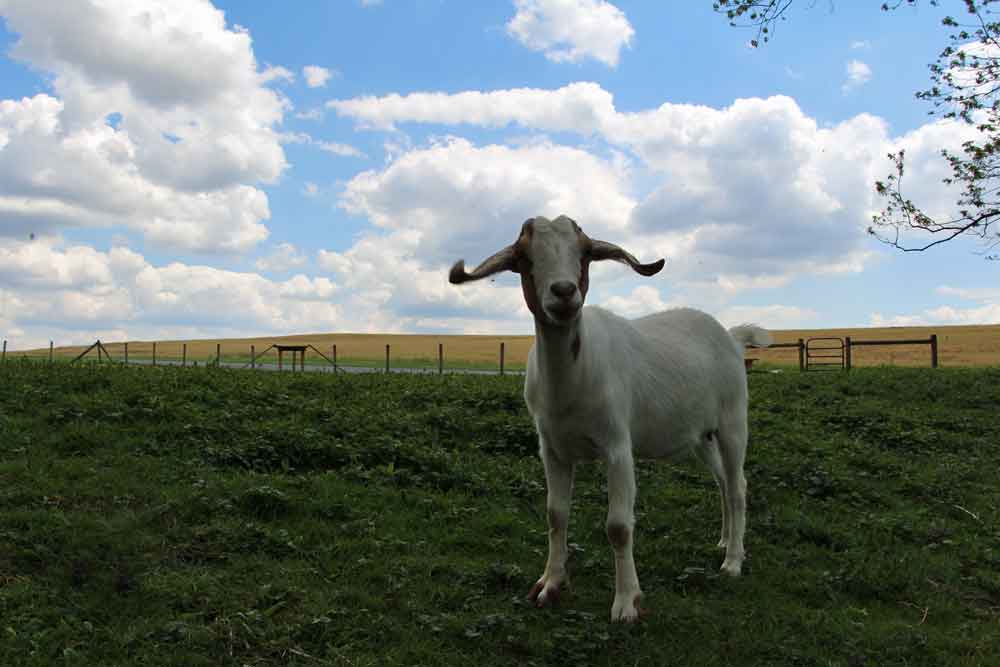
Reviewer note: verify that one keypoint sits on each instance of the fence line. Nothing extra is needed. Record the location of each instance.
(802, 345)
(158, 358)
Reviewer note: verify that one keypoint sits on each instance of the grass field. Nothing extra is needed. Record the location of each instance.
(960, 346)
(167, 516)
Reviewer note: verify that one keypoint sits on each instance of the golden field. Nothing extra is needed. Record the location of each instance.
(458, 350)
(977, 345)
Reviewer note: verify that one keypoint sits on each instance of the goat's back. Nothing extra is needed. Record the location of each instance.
(692, 330)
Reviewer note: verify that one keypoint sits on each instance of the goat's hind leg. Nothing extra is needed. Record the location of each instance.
(733, 448)
(559, 481)
(708, 452)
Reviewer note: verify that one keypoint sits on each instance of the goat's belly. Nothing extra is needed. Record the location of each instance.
(572, 440)
(663, 440)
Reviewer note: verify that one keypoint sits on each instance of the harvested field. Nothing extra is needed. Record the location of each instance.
(974, 345)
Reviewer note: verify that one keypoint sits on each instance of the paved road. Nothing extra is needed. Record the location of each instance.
(329, 369)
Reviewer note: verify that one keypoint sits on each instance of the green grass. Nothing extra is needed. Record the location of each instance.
(212, 517)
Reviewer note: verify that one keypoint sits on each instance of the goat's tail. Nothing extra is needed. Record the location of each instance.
(750, 335)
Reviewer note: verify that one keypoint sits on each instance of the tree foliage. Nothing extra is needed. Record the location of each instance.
(965, 86)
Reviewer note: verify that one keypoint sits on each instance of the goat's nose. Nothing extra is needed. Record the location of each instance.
(563, 289)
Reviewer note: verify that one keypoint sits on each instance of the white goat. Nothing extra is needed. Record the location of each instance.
(602, 387)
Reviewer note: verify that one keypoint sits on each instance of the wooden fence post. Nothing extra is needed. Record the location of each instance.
(847, 352)
(934, 351)
(154, 353)
(51, 350)
(334, 358)
(501, 358)
(802, 355)
(386, 357)
(4, 358)
(253, 358)
(440, 358)
(218, 355)
(126, 352)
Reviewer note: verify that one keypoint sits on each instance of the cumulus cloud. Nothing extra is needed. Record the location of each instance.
(342, 150)
(311, 114)
(76, 291)
(773, 316)
(642, 300)
(982, 306)
(316, 76)
(580, 107)
(455, 197)
(284, 257)
(858, 74)
(742, 197)
(454, 200)
(752, 193)
(572, 30)
(160, 122)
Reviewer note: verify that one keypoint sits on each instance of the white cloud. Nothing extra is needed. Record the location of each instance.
(988, 313)
(858, 74)
(160, 122)
(454, 197)
(392, 288)
(986, 310)
(862, 44)
(572, 30)
(284, 257)
(277, 74)
(971, 293)
(747, 195)
(69, 293)
(316, 76)
(311, 114)
(581, 107)
(343, 150)
(770, 317)
(451, 200)
(643, 300)
(310, 189)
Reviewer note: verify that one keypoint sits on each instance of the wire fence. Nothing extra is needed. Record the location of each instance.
(817, 353)
(275, 356)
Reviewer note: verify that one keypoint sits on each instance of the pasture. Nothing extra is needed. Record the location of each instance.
(214, 517)
(972, 345)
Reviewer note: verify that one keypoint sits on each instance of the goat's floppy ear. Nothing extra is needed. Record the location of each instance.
(501, 261)
(600, 250)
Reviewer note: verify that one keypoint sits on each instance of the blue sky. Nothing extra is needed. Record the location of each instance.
(187, 168)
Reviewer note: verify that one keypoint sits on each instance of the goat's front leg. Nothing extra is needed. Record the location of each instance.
(620, 528)
(559, 480)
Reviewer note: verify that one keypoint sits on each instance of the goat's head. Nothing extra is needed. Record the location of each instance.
(553, 258)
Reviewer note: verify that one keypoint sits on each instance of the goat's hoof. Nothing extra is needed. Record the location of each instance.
(544, 593)
(732, 567)
(722, 543)
(626, 608)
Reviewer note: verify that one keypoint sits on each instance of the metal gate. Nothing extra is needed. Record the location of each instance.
(825, 354)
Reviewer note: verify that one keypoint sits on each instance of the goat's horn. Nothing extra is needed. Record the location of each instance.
(603, 250)
(500, 261)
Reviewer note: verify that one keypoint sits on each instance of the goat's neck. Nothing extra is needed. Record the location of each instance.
(559, 354)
